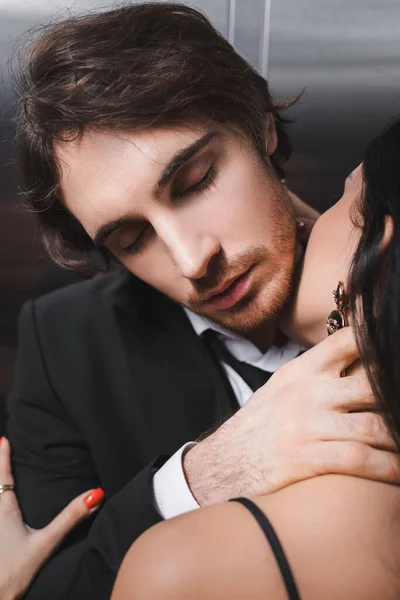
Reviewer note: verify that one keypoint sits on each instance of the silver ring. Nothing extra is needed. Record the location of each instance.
(6, 487)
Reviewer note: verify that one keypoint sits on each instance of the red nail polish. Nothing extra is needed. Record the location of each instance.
(94, 498)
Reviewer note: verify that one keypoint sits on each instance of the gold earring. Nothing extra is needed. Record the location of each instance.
(337, 318)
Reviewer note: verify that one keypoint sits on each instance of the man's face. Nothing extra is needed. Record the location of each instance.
(191, 212)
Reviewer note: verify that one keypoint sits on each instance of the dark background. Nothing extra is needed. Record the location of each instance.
(346, 53)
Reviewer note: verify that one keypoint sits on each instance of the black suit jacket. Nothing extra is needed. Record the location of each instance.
(110, 377)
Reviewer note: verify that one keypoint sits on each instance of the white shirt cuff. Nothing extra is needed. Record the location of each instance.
(172, 494)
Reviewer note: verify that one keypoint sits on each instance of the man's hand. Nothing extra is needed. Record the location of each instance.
(298, 425)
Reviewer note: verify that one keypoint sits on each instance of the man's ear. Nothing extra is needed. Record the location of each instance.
(272, 138)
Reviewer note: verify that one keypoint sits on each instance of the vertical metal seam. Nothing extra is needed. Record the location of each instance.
(231, 21)
(264, 38)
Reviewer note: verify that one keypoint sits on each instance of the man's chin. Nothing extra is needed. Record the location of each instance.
(258, 310)
(247, 316)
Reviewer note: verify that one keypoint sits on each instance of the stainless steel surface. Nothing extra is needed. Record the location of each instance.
(347, 54)
(264, 38)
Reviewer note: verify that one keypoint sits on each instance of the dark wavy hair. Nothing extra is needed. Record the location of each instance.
(142, 65)
(375, 275)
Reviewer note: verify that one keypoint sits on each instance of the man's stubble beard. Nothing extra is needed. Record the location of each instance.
(256, 313)
(262, 305)
(257, 310)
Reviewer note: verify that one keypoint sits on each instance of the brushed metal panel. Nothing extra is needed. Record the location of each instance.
(347, 54)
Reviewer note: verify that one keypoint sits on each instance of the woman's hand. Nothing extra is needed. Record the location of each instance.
(23, 550)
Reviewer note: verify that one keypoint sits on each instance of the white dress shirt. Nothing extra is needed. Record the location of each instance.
(172, 494)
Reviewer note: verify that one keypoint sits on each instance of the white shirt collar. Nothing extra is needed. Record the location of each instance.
(245, 350)
(201, 324)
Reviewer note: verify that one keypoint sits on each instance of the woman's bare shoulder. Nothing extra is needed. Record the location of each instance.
(214, 553)
(339, 534)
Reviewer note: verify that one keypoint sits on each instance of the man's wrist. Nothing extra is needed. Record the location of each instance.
(172, 495)
(202, 473)
(191, 469)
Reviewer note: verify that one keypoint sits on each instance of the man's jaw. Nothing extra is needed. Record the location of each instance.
(255, 316)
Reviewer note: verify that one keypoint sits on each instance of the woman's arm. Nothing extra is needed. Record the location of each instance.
(340, 535)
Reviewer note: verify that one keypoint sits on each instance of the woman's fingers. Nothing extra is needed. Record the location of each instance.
(5, 462)
(34, 547)
(77, 510)
(8, 499)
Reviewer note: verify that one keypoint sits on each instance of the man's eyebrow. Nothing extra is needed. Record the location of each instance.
(180, 158)
(107, 229)
(174, 164)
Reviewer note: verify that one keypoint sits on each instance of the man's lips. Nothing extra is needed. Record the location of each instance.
(231, 291)
(219, 290)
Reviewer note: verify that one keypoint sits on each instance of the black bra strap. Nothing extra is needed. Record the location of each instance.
(275, 544)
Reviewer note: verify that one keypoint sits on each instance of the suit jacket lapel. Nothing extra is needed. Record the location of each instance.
(176, 385)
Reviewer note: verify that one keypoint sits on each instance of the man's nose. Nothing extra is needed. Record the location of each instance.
(190, 248)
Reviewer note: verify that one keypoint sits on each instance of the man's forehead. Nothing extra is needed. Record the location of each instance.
(155, 144)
